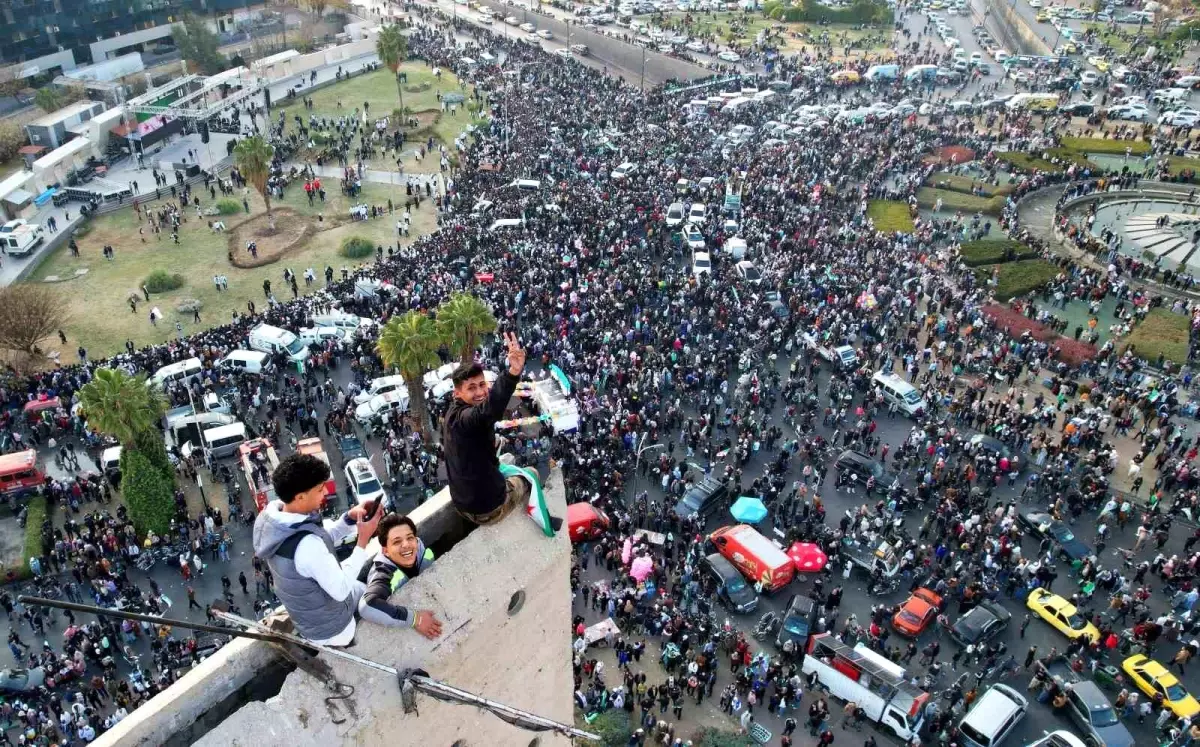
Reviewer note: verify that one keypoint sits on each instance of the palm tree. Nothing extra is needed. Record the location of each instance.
(410, 343)
(392, 47)
(121, 405)
(253, 156)
(461, 320)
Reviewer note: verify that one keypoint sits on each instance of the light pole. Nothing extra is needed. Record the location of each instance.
(637, 460)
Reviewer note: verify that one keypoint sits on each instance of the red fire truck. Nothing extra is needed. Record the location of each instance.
(258, 462)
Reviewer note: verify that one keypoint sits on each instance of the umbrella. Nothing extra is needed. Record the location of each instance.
(748, 510)
(641, 568)
(807, 557)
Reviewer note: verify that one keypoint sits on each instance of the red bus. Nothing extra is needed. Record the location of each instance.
(20, 474)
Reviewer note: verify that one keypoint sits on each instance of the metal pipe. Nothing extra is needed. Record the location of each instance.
(138, 617)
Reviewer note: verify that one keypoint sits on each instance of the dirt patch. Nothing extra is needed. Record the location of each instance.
(292, 231)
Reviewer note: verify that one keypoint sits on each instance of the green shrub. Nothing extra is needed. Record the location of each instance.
(1162, 332)
(1017, 278)
(1072, 157)
(421, 87)
(613, 727)
(890, 216)
(32, 546)
(356, 247)
(324, 137)
(229, 207)
(161, 281)
(994, 251)
(927, 198)
(707, 736)
(1105, 145)
(84, 229)
(148, 493)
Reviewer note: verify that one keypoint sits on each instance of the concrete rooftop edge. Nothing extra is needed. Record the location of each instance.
(522, 660)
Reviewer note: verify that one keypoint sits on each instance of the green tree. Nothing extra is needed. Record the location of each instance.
(409, 343)
(461, 320)
(253, 157)
(148, 493)
(392, 47)
(613, 727)
(122, 406)
(48, 99)
(198, 45)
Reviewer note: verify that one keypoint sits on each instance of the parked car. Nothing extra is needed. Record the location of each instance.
(797, 623)
(703, 498)
(855, 467)
(1154, 679)
(732, 590)
(1044, 525)
(362, 482)
(1089, 708)
(980, 625)
(917, 612)
(22, 680)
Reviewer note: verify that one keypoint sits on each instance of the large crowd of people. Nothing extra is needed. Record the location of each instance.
(721, 375)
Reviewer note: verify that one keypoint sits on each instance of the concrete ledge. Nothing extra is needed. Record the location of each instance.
(522, 659)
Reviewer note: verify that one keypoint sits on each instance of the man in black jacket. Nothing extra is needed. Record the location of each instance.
(478, 490)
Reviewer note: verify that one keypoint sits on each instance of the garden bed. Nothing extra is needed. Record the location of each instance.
(1162, 333)
(1026, 162)
(1015, 279)
(1072, 352)
(927, 197)
(994, 251)
(292, 231)
(965, 185)
(890, 216)
(1105, 145)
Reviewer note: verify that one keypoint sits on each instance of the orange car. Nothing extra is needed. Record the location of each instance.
(915, 614)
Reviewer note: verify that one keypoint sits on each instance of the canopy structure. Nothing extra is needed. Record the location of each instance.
(748, 510)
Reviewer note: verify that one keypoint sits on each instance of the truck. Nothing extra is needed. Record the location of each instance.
(258, 462)
(22, 240)
(877, 685)
(760, 561)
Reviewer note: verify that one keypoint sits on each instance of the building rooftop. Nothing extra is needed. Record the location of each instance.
(58, 115)
(520, 658)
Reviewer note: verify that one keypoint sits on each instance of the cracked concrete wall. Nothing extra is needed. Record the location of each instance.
(522, 660)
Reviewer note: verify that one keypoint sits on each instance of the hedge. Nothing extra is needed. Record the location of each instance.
(890, 216)
(356, 247)
(148, 494)
(928, 197)
(1072, 157)
(707, 736)
(964, 184)
(994, 251)
(229, 207)
(32, 548)
(1017, 278)
(1162, 332)
(1105, 145)
(161, 281)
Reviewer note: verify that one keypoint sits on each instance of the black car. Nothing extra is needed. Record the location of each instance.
(855, 467)
(981, 624)
(703, 498)
(797, 622)
(1078, 109)
(732, 589)
(1045, 525)
(993, 447)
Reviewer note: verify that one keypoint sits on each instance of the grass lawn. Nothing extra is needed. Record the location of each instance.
(101, 317)
(1179, 164)
(1017, 278)
(1027, 162)
(1163, 333)
(1105, 145)
(742, 28)
(993, 251)
(890, 216)
(927, 198)
(964, 184)
(378, 91)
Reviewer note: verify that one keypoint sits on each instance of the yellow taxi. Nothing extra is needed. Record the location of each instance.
(1042, 16)
(1153, 678)
(1099, 63)
(1061, 614)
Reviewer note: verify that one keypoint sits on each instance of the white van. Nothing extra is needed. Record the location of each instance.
(224, 441)
(382, 385)
(899, 392)
(351, 324)
(178, 372)
(735, 247)
(246, 362)
(993, 717)
(110, 460)
(268, 339)
(188, 428)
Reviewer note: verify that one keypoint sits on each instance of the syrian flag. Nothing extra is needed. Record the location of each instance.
(536, 507)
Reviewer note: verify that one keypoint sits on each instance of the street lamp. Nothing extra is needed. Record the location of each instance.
(638, 459)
